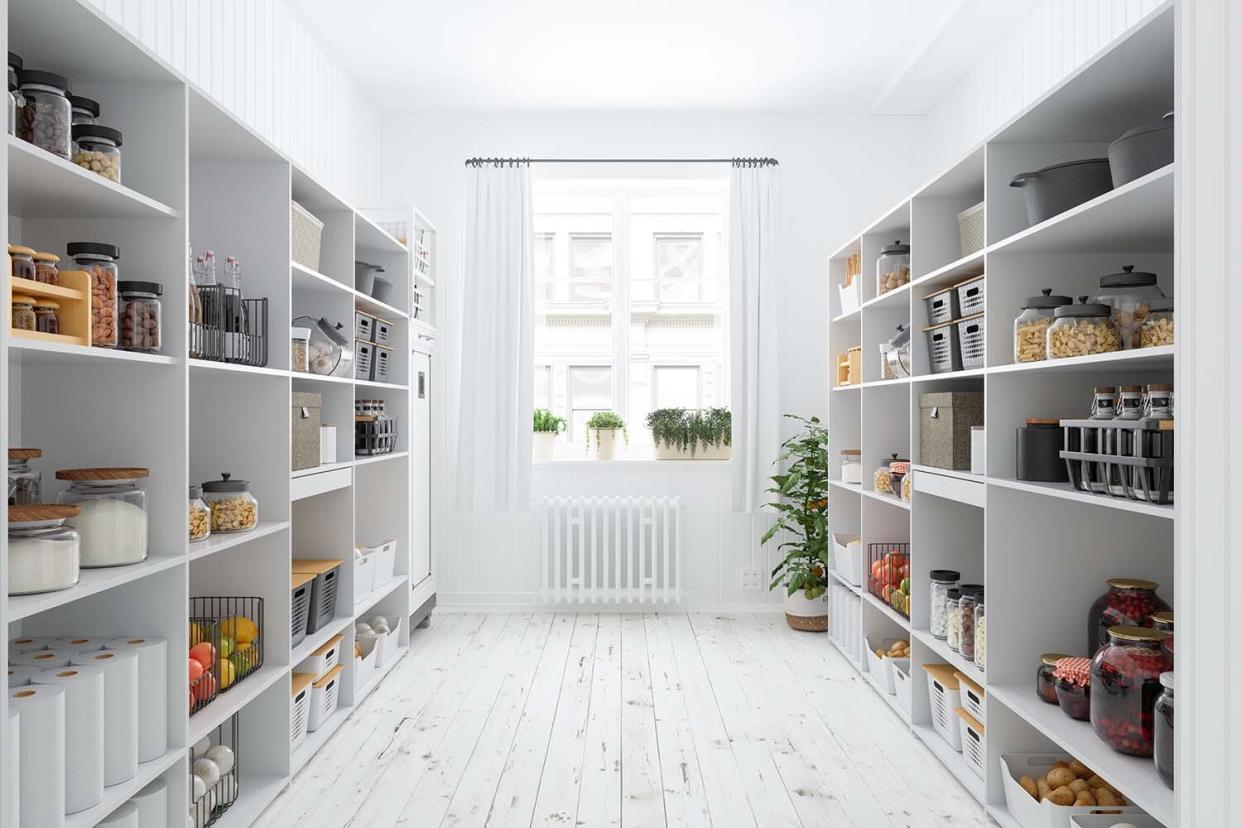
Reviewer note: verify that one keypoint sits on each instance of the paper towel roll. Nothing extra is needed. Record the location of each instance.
(21, 676)
(13, 738)
(41, 754)
(152, 692)
(152, 802)
(43, 659)
(79, 644)
(26, 644)
(84, 733)
(125, 816)
(120, 668)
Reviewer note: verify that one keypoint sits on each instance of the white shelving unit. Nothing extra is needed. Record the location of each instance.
(1042, 551)
(195, 175)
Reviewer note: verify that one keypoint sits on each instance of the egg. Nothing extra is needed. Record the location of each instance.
(207, 770)
(197, 788)
(380, 629)
(363, 629)
(379, 621)
(222, 755)
(201, 747)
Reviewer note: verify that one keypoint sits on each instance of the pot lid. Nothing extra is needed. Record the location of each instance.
(1021, 179)
(226, 484)
(25, 453)
(896, 247)
(1046, 300)
(112, 251)
(104, 474)
(97, 131)
(42, 513)
(1084, 308)
(944, 575)
(1165, 122)
(900, 338)
(1128, 277)
(1160, 304)
(140, 287)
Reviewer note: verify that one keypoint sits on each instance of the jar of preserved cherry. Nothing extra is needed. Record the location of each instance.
(1163, 743)
(1129, 602)
(1072, 678)
(1044, 687)
(1125, 681)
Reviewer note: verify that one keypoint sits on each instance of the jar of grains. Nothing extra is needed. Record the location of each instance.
(981, 635)
(233, 507)
(23, 318)
(46, 319)
(99, 259)
(45, 268)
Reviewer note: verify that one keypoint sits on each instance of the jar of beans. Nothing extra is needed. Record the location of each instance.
(98, 148)
(45, 119)
(1128, 602)
(46, 268)
(140, 315)
(1072, 679)
(942, 580)
(46, 318)
(21, 262)
(972, 595)
(1045, 689)
(1125, 681)
(99, 259)
(23, 313)
(1163, 742)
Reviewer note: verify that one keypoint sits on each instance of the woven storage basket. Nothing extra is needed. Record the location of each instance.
(970, 229)
(802, 624)
(307, 235)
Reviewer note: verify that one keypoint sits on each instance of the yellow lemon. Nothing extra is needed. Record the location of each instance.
(226, 674)
(240, 628)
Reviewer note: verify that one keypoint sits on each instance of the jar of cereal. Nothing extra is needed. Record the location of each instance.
(233, 507)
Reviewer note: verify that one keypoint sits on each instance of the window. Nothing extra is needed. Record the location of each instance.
(630, 297)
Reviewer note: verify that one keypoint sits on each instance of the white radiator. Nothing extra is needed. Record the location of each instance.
(610, 549)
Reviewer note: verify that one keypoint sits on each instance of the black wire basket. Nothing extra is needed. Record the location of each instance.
(233, 329)
(217, 799)
(232, 631)
(375, 435)
(888, 575)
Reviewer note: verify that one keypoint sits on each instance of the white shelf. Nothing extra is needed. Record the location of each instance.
(853, 387)
(1161, 357)
(392, 386)
(1065, 491)
(254, 794)
(966, 373)
(312, 281)
(379, 594)
(888, 383)
(300, 376)
(883, 608)
(941, 648)
(370, 236)
(953, 273)
(375, 307)
(117, 795)
(953, 760)
(326, 467)
(889, 499)
(316, 640)
(843, 317)
(836, 576)
(380, 458)
(841, 484)
(220, 542)
(897, 297)
(90, 582)
(233, 368)
(55, 351)
(235, 698)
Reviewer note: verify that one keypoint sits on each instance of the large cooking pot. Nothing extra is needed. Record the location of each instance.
(1055, 189)
(1142, 150)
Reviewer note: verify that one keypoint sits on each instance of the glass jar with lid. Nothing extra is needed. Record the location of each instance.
(83, 110)
(199, 515)
(1072, 679)
(953, 618)
(99, 260)
(46, 268)
(21, 262)
(1045, 687)
(1130, 402)
(16, 101)
(43, 549)
(298, 348)
(981, 635)
(113, 518)
(23, 312)
(1030, 326)
(1104, 402)
(1158, 401)
(46, 316)
(47, 116)
(851, 466)
(1162, 621)
(1129, 294)
(1081, 330)
(1128, 602)
(1157, 328)
(900, 470)
(233, 507)
(141, 318)
(882, 480)
(25, 483)
(1125, 680)
(1162, 733)
(98, 148)
(892, 268)
(972, 595)
(942, 580)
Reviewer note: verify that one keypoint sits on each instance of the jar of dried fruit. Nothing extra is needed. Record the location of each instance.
(1128, 602)
(99, 259)
(1125, 681)
(23, 318)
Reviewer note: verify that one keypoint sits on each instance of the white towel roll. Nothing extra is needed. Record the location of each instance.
(21, 676)
(152, 692)
(43, 659)
(26, 644)
(84, 733)
(125, 816)
(41, 754)
(13, 736)
(120, 668)
(152, 802)
(78, 643)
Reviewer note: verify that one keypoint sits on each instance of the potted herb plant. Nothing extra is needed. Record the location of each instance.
(681, 434)
(801, 504)
(547, 427)
(603, 426)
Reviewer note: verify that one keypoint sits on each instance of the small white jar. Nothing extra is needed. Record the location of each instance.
(851, 466)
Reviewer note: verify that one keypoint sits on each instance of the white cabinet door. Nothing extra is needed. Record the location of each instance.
(420, 467)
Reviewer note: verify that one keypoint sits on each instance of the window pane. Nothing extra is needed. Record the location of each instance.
(590, 267)
(543, 386)
(679, 259)
(590, 390)
(677, 387)
(544, 265)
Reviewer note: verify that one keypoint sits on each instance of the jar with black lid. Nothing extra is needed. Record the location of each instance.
(942, 581)
(1082, 330)
(98, 148)
(972, 595)
(16, 101)
(140, 316)
(1045, 689)
(46, 118)
(1130, 294)
(1030, 326)
(1039, 451)
(99, 260)
(892, 268)
(83, 110)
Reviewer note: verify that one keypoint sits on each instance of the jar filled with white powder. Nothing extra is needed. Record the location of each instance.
(113, 514)
(43, 551)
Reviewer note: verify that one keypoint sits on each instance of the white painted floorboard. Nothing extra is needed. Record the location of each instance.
(632, 720)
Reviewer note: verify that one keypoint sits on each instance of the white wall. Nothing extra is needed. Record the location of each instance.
(258, 60)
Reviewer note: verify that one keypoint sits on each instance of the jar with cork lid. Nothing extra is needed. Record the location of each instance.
(25, 483)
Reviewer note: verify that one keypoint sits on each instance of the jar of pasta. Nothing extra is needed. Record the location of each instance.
(1129, 294)
(1030, 326)
(1081, 330)
(1157, 328)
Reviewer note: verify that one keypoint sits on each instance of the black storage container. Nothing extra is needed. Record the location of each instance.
(1039, 452)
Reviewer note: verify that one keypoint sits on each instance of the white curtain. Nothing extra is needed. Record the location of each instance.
(753, 202)
(493, 463)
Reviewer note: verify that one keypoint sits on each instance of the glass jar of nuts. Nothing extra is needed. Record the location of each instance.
(1030, 326)
(1082, 329)
(1130, 295)
(1157, 328)
(233, 507)
(199, 515)
(892, 268)
(98, 148)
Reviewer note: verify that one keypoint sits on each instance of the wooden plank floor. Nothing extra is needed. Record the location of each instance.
(632, 720)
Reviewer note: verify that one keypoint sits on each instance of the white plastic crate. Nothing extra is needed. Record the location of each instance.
(943, 696)
(381, 364)
(364, 576)
(971, 340)
(972, 736)
(364, 326)
(299, 713)
(383, 557)
(944, 352)
(307, 233)
(1032, 814)
(383, 332)
(970, 224)
(848, 557)
(325, 658)
(364, 667)
(902, 685)
(325, 693)
(973, 697)
(970, 296)
(387, 646)
(364, 356)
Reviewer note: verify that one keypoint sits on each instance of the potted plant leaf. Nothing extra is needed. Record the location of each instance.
(547, 427)
(603, 426)
(801, 503)
(681, 434)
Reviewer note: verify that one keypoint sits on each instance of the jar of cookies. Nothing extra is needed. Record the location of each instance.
(1081, 330)
(199, 515)
(1129, 294)
(98, 148)
(1030, 326)
(892, 268)
(233, 507)
(1157, 328)
(140, 315)
(45, 119)
(99, 259)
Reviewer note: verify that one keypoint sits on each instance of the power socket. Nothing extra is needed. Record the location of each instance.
(752, 579)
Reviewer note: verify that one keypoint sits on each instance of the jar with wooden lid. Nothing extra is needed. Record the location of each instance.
(47, 319)
(46, 268)
(851, 466)
(43, 554)
(1104, 402)
(1158, 401)
(25, 483)
(23, 313)
(1128, 602)
(21, 262)
(113, 517)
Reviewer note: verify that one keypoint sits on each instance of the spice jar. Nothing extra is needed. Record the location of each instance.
(1157, 328)
(98, 148)
(140, 315)
(981, 635)
(1125, 680)
(45, 119)
(199, 515)
(25, 483)
(1158, 402)
(21, 262)
(1081, 330)
(233, 507)
(1072, 679)
(972, 594)
(1104, 403)
(1162, 736)
(98, 259)
(1128, 602)
(953, 618)
(83, 110)
(113, 518)
(942, 580)
(1030, 326)
(1130, 295)
(45, 268)
(43, 550)
(298, 340)
(1045, 688)
(23, 313)
(46, 319)
(1130, 402)
(16, 101)
(892, 268)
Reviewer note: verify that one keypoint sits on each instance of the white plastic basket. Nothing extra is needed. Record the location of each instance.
(1032, 814)
(307, 235)
(970, 229)
(880, 667)
(385, 556)
(902, 684)
(325, 693)
(387, 646)
(365, 666)
(848, 557)
(943, 696)
(299, 716)
(973, 697)
(325, 658)
(364, 576)
(1109, 820)
(972, 736)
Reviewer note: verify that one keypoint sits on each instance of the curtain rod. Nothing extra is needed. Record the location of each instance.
(737, 162)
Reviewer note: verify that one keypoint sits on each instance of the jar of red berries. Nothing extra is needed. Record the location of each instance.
(1163, 622)
(1129, 602)
(1125, 681)
(1044, 686)
(1072, 679)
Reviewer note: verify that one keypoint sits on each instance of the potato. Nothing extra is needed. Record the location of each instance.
(1103, 796)
(1096, 781)
(1084, 798)
(1060, 763)
(1080, 770)
(1079, 785)
(1045, 791)
(1060, 778)
(1028, 785)
(1062, 796)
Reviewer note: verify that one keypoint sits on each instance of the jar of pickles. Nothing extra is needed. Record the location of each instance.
(1158, 401)
(1125, 681)
(1081, 330)
(199, 515)
(1157, 328)
(1129, 294)
(25, 483)
(45, 268)
(46, 118)
(99, 259)
(1072, 679)
(1162, 742)
(1045, 688)
(972, 596)
(1128, 602)
(1030, 326)
(942, 580)
(23, 318)
(21, 262)
(953, 618)
(46, 319)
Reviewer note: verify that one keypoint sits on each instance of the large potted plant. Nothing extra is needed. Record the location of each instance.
(681, 434)
(801, 504)
(603, 426)
(547, 427)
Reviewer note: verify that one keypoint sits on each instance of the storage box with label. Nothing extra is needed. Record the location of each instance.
(945, 420)
(307, 413)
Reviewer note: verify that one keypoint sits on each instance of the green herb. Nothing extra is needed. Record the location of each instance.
(548, 423)
(605, 421)
(684, 429)
(801, 503)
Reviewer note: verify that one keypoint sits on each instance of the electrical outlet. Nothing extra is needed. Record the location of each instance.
(752, 579)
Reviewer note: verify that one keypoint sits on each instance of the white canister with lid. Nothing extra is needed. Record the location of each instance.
(851, 466)
(43, 551)
(113, 516)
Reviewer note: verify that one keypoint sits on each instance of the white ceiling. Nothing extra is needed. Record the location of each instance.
(812, 56)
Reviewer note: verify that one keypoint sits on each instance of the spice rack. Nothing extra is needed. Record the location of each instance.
(74, 316)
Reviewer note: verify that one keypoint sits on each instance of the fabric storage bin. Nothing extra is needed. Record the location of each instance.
(364, 327)
(325, 693)
(970, 229)
(970, 296)
(972, 734)
(1031, 814)
(307, 234)
(307, 418)
(945, 420)
(944, 696)
(320, 662)
(299, 612)
(848, 557)
(323, 590)
(903, 687)
(972, 695)
(941, 306)
(944, 352)
(381, 364)
(383, 332)
(364, 355)
(299, 713)
(970, 340)
(364, 576)
(879, 667)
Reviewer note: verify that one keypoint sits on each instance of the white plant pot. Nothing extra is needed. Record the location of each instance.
(806, 614)
(544, 445)
(604, 442)
(721, 452)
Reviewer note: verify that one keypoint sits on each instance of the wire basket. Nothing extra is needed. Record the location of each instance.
(888, 574)
(375, 436)
(1131, 459)
(233, 629)
(233, 329)
(212, 805)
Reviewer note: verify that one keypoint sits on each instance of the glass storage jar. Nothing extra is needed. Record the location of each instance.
(43, 550)
(1162, 735)
(141, 318)
(851, 466)
(1128, 602)
(1158, 402)
(16, 101)
(199, 515)
(113, 518)
(981, 635)
(21, 262)
(972, 594)
(23, 313)
(98, 148)
(900, 471)
(1130, 295)
(1158, 327)
(46, 268)
(46, 118)
(892, 268)
(233, 507)
(1130, 402)
(1030, 326)
(1081, 330)
(1104, 403)
(1162, 621)
(882, 480)
(83, 110)
(1072, 680)
(46, 318)
(1125, 680)
(1045, 687)
(953, 618)
(99, 259)
(25, 483)
(942, 580)
(298, 341)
